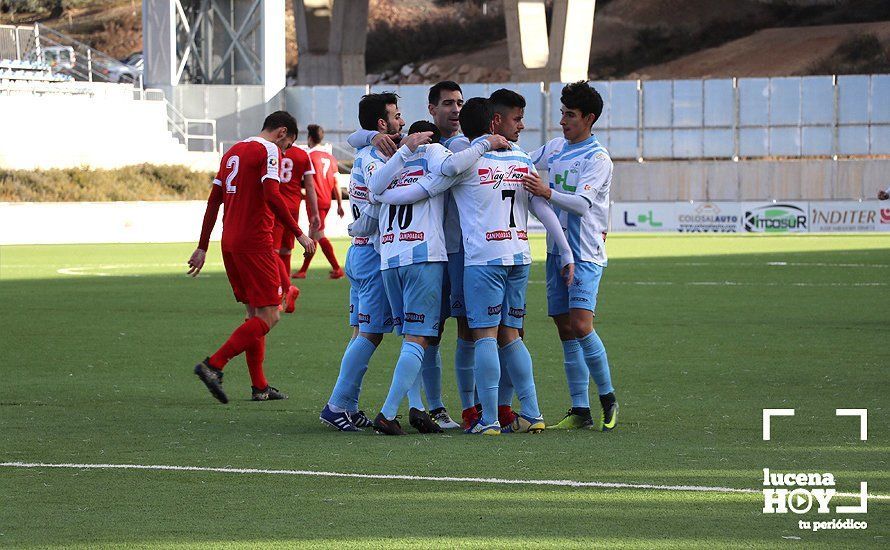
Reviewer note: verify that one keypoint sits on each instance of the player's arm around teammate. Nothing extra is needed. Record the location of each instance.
(580, 174)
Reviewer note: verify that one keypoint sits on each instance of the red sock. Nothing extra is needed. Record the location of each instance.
(243, 337)
(284, 272)
(255, 355)
(286, 259)
(307, 259)
(505, 415)
(328, 250)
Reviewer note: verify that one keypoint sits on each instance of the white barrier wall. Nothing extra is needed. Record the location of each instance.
(107, 129)
(118, 222)
(160, 222)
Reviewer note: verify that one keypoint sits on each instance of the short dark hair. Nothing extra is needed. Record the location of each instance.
(584, 97)
(372, 108)
(426, 126)
(314, 131)
(475, 117)
(281, 118)
(504, 99)
(436, 90)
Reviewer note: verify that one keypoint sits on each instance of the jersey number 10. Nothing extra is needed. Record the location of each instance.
(405, 214)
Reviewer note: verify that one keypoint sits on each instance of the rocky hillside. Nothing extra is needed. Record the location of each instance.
(421, 41)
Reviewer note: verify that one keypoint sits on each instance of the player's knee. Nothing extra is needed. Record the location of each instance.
(372, 337)
(581, 327)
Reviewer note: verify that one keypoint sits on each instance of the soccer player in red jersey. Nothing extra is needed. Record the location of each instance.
(248, 185)
(325, 166)
(296, 173)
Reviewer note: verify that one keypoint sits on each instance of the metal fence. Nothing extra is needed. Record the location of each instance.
(787, 117)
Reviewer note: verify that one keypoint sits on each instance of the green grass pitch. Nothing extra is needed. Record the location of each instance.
(98, 343)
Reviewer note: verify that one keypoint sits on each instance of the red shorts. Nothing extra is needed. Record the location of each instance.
(282, 236)
(255, 277)
(322, 214)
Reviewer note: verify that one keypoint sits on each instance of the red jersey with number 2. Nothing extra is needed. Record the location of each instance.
(247, 221)
(294, 164)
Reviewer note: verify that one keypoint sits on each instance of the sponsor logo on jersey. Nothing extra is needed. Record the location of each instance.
(518, 312)
(388, 238)
(360, 241)
(364, 318)
(273, 161)
(414, 317)
(499, 235)
(496, 175)
(495, 310)
(411, 236)
(395, 321)
(457, 304)
(562, 180)
(409, 178)
(523, 235)
(359, 192)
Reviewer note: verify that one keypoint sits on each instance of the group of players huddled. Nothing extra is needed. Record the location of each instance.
(440, 228)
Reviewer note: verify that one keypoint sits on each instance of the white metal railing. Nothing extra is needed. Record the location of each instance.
(185, 129)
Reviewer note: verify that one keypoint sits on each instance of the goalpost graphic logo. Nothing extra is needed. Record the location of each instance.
(802, 492)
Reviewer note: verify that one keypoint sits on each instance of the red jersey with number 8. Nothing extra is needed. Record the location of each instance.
(247, 221)
(294, 164)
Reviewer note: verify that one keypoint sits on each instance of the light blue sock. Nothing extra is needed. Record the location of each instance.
(403, 377)
(597, 362)
(487, 371)
(352, 369)
(432, 377)
(519, 364)
(505, 385)
(463, 371)
(577, 374)
(414, 398)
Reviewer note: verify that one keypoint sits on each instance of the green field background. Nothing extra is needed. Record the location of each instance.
(703, 332)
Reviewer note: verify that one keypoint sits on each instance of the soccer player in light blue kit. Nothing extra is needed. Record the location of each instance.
(413, 255)
(445, 101)
(494, 217)
(580, 174)
(369, 310)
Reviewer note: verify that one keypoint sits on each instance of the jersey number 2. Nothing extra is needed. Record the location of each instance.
(232, 164)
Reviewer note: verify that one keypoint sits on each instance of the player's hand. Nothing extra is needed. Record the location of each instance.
(497, 142)
(417, 139)
(340, 211)
(536, 186)
(386, 143)
(196, 262)
(568, 274)
(883, 195)
(307, 243)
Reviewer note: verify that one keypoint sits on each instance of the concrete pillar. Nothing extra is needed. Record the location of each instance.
(561, 56)
(331, 36)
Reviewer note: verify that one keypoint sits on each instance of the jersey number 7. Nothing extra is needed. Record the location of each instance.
(511, 194)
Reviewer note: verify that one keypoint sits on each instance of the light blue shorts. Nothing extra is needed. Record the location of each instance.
(368, 307)
(497, 295)
(580, 295)
(415, 296)
(457, 305)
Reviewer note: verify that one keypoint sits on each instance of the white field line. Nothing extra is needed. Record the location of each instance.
(728, 283)
(490, 480)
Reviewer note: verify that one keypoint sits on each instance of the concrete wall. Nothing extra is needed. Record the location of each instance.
(809, 179)
(101, 126)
